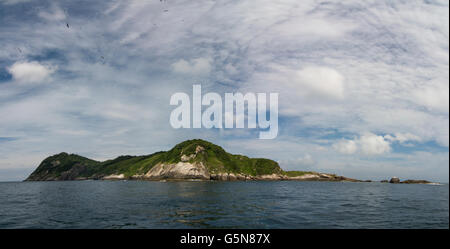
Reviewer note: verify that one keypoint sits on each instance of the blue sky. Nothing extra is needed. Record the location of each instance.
(363, 85)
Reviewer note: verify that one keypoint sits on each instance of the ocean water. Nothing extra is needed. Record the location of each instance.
(282, 204)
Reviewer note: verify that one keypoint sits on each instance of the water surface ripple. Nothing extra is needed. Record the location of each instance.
(278, 204)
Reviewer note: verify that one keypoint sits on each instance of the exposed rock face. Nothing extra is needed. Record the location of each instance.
(186, 158)
(271, 177)
(394, 180)
(114, 177)
(199, 149)
(305, 177)
(180, 170)
(384, 181)
(229, 177)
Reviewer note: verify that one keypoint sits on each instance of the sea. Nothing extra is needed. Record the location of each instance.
(204, 204)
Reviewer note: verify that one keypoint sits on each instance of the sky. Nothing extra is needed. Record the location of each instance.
(363, 85)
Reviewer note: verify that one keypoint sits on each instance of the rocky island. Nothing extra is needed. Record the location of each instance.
(193, 159)
(190, 160)
(409, 181)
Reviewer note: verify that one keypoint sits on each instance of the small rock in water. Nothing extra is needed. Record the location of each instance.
(394, 180)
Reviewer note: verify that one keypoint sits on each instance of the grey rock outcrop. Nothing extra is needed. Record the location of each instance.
(394, 180)
(180, 170)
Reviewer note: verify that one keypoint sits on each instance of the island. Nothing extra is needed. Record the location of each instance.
(190, 160)
(409, 181)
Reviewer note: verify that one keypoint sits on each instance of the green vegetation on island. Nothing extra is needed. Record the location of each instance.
(192, 159)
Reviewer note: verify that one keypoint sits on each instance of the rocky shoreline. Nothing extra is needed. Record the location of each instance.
(396, 180)
(231, 177)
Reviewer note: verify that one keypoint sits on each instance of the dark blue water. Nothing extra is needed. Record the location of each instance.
(144, 204)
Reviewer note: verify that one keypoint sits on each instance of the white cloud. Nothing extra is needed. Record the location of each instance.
(346, 146)
(321, 81)
(198, 66)
(30, 72)
(433, 97)
(313, 27)
(301, 90)
(306, 160)
(403, 138)
(397, 119)
(367, 144)
(372, 144)
(54, 14)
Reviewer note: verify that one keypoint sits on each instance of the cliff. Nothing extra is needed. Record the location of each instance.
(192, 159)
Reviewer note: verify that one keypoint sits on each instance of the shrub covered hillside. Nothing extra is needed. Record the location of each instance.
(65, 166)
